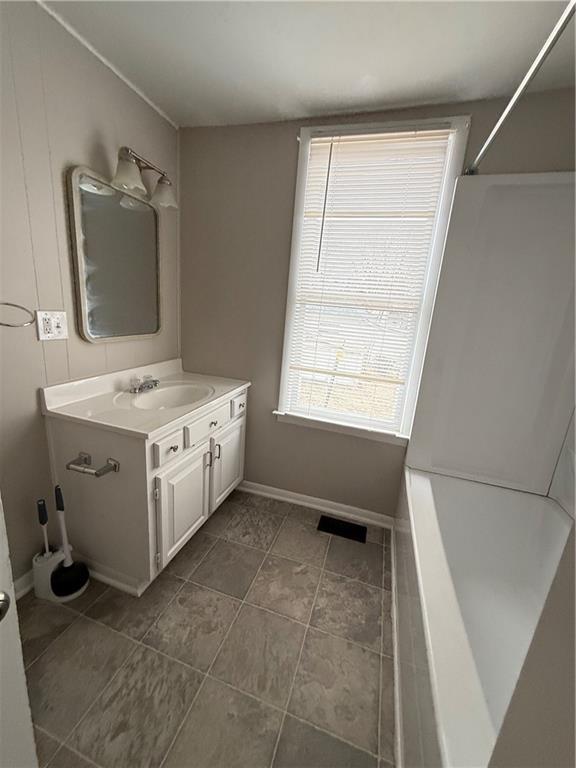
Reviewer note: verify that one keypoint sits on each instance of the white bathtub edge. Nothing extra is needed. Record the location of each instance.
(398, 725)
(465, 731)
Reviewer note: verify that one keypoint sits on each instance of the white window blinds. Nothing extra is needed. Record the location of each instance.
(367, 225)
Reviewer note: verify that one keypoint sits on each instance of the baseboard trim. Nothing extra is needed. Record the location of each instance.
(357, 514)
(24, 584)
(112, 578)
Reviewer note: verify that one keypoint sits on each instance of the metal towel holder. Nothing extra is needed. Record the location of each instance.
(24, 309)
(82, 463)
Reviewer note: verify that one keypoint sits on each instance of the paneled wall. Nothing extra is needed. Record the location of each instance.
(238, 187)
(60, 107)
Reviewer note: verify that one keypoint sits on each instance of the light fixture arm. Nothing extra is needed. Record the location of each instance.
(126, 153)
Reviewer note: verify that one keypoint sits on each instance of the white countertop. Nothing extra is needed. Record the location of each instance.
(96, 400)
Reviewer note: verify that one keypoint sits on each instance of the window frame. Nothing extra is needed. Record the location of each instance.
(454, 166)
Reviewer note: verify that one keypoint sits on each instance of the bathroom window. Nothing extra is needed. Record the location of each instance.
(371, 213)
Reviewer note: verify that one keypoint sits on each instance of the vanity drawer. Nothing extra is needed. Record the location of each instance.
(168, 448)
(238, 405)
(206, 425)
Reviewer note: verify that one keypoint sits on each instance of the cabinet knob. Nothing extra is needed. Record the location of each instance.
(174, 448)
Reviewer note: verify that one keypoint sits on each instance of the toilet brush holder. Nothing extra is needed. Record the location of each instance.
(43, 567)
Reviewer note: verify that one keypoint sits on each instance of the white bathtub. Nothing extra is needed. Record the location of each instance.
(474, 566)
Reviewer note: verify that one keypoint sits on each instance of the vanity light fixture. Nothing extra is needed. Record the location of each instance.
(128, 177)
(164, 196)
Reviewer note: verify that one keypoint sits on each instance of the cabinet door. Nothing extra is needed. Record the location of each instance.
(183, 503)
(228, 461)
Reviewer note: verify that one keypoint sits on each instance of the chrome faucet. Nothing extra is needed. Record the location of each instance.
(138, 385)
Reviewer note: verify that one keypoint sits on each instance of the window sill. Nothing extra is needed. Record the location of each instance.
(345, 429)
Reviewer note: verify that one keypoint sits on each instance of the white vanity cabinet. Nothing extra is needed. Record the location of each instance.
(183, 501)
(189, 491)
(194, 487)
(176, 466)
(192, 484)
(227, 449)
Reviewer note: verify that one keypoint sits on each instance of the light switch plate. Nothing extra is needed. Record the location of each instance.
(51, 325)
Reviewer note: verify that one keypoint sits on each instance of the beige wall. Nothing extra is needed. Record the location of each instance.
(236, 210)
(60, 107)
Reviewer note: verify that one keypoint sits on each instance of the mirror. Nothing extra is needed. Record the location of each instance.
(115, 243)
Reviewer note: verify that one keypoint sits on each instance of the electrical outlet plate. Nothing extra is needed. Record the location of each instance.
(51, 325)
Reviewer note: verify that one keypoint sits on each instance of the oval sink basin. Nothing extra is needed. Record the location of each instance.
(171, 396)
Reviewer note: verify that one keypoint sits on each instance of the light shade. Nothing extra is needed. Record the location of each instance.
(128, 176)
(164, 196)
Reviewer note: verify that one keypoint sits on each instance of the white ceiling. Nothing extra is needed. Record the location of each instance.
(219, 63)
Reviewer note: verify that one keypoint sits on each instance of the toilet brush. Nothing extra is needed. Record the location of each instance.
(43, 520)
(69, 578)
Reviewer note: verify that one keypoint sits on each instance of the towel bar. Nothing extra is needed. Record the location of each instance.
(83, 461)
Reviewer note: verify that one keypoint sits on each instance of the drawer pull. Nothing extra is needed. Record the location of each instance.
(213, 423)
(241, 405)
(219, 449)
(174, 448)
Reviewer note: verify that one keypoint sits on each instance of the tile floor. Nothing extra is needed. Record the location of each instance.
(264, 643)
